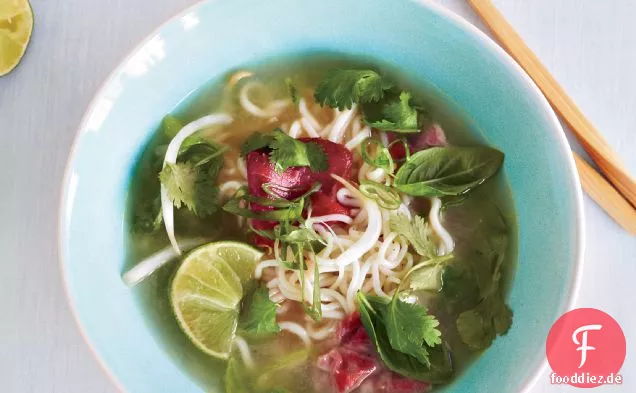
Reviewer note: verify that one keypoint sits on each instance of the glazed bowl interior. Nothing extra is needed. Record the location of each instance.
(429, 46)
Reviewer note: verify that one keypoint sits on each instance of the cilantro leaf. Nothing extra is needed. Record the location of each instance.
(436, 369)
(318, 161)
(411, 329)
(398, 116)
(479, 326)
(256, 141)
(258, 316)
(189, 185)
(417, 232)
(147, 215)
(475, 329)
(426, 275)
(292, 90)
(343, 88)
(290, 152)
(286, 151)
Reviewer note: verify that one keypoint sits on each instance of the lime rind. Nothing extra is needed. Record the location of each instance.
(206, 293)
(16, 27)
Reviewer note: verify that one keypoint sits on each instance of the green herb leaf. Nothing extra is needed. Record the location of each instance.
(398, 116)
(256, 141)
(475, 329)
(411, 329)
(284, 210)
(292, 90)
(441, 171)
(318, 161)
(385, 196)
(190, 186)
(417, 232)
(236, 378)
(258, 316)
(289, 152)
(437, 369)
(426, 276)
(280, 368)
(343, 88)
(147, 215)
(479, 326)
(171, 126)
(379, 156)
(286, 151)
(501, 316)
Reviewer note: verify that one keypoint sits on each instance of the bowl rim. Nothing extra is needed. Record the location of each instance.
(460, 23)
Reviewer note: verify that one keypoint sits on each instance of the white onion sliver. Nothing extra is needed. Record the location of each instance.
(145, 268)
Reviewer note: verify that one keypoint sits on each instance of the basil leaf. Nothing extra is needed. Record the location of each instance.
(385, 196)
(441, 171)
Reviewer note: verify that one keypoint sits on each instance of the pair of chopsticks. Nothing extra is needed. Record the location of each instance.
(615, 189)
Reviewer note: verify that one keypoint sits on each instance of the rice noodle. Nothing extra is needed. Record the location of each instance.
(447, 244)
(321, 333)
(360, 251)
(167, 208)
(358, 138)
(244, 350)
(295, 129)
(306, 114)
(273, 109)
(230, 187)
(240, 165)
(296, 329)
(337, 132)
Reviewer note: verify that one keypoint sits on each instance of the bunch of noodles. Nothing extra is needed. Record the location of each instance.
(361, 254)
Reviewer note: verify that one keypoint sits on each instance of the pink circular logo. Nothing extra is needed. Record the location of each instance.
(586, 348)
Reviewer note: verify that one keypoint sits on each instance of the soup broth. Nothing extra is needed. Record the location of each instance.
(482, 224)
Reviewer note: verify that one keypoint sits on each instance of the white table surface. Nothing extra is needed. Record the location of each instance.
(590, 46)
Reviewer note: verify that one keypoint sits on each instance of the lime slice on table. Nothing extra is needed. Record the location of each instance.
(207, 290)
(16, 25)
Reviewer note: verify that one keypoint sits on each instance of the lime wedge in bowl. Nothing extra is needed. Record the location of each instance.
(207, 290)
(16, 25)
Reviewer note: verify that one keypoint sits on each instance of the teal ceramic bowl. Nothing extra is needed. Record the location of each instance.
(428, 44)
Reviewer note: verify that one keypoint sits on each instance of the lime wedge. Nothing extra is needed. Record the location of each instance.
(207, 290)
(16, 25)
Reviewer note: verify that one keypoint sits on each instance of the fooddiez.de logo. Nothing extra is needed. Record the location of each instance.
(586, 348)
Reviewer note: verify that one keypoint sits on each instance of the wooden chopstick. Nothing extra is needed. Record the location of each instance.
(606, 196)
(591, 140)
